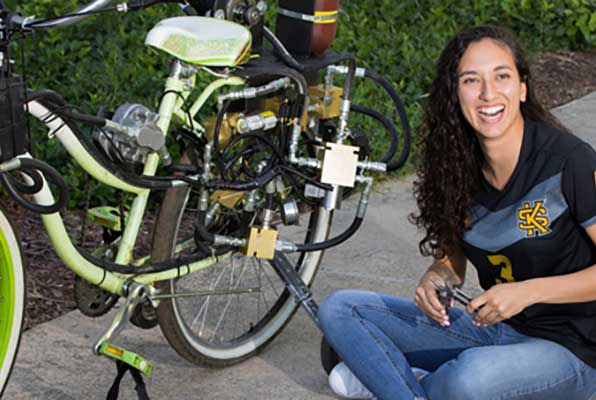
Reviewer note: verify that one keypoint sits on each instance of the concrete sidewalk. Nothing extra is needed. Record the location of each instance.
(56, 362)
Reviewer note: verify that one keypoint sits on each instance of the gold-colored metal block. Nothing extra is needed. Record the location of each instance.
(272, 104)
(261, 243)
(227, 198)
(339, 164)
(329, 109)
(227, 130)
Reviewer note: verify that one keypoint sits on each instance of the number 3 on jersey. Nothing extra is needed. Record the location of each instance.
(502, 262)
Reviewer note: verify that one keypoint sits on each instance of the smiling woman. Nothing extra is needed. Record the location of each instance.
(501, 184)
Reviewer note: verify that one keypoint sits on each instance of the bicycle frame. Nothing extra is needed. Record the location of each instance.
(177, 90)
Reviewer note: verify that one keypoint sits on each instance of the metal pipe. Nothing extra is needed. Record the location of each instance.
(93, 6)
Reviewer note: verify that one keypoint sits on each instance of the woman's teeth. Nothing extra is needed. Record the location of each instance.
(491, 111)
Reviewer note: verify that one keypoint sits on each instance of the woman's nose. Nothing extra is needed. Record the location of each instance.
(487, 91)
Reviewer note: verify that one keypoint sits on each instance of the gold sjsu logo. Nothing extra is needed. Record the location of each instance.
(533, 218)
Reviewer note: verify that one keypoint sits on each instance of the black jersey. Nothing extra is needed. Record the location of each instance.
(535, 227)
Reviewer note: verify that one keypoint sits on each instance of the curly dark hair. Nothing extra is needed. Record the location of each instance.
(449, 171)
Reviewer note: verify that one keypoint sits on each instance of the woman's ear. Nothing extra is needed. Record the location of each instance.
(523, 91)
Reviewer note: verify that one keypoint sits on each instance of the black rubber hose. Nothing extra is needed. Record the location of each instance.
(216, 130)
(58, 105)
(25, 188)
(401, 110)
(282, 51)
(146, 269)
(389, 127)
(202, 234)
(258, 182)
(253, 135)
(335, 241)
(350, 76)
(52, 175)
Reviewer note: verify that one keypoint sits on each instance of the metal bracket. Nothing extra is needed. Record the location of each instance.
(339, 164)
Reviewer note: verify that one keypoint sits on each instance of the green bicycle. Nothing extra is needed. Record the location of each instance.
(248, 204)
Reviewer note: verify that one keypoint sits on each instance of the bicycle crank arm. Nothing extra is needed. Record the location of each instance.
(302, 293)
(136, 295)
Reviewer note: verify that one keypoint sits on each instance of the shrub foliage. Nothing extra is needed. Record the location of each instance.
(102, 62)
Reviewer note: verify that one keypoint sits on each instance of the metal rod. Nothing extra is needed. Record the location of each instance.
(203, 293)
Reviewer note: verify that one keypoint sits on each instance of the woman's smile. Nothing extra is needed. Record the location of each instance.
(490, 90)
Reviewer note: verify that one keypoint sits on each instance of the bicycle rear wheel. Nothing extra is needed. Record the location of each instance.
(222, 329)
(12, 296)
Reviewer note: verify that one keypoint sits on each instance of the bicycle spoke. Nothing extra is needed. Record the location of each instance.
(223, 313)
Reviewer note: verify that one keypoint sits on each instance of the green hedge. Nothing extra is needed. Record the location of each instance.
(102, 62)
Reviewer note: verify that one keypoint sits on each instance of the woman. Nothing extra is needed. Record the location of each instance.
(502, 185)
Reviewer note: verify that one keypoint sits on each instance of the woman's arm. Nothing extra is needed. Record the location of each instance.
(508, 299)
(451, 269)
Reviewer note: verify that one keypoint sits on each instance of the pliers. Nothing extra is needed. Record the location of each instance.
(447, 294)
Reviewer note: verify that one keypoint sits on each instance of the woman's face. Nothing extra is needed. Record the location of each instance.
(490, 89)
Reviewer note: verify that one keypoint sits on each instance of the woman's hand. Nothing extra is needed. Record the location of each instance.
(427, 301)
(499, 303)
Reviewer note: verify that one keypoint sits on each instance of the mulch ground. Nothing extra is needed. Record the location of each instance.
(559, 78)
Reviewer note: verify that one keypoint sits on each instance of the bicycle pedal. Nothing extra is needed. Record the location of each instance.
(133, 359)
(106, 216)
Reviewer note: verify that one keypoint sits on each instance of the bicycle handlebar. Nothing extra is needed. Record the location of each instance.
(83, 12)
(94, 5)
(71, 19)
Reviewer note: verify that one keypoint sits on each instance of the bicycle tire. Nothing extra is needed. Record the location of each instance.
(246, 343)
(12, 296)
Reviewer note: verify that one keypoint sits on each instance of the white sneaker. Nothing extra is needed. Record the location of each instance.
(345, 384)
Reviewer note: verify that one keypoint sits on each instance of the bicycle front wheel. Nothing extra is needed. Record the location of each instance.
(12, 296)
(249, 304)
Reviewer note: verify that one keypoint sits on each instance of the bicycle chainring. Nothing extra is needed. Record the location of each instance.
(92, 300)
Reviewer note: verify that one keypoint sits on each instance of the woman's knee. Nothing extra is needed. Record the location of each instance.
(454, 381)
(339, 305)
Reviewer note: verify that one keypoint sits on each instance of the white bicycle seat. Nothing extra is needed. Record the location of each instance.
(200, 40)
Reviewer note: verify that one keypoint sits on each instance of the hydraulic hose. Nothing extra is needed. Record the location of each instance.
(258, 182)
(146, 269)
(282, 51)
(389, 127)
(36, 181)
(29, 164)
(399, 106)
(334, 241)
(350, 76)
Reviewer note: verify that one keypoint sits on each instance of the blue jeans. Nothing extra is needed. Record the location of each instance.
(381, 337)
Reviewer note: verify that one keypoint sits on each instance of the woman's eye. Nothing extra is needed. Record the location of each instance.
(470, 80)
(503, 76)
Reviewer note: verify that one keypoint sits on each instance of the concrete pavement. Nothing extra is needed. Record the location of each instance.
(55, 360)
